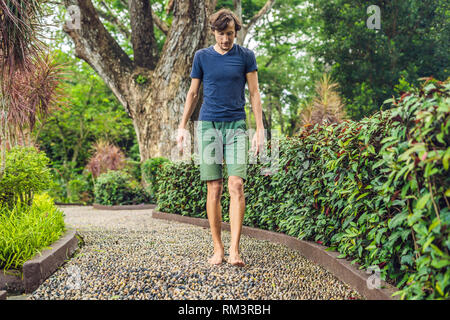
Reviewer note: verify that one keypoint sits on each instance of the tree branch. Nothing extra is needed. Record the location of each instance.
(95, 45)
(260, 13)
(160, 24)
(112, 18)
(164, 27)
(176, 51)
(238, 9)
(169, 6)
(145, 48)
(246, 27)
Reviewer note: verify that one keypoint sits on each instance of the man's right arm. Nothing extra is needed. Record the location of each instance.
(191, 102)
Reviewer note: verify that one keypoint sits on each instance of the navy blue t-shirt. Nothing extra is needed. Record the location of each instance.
(224, 81)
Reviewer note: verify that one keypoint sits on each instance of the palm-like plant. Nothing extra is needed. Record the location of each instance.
(19, 26)
(106, 157)
(29, 77)
(327, 106)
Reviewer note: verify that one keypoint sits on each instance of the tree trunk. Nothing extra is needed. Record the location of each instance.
(267, 125)
(280, 112)
(153, 87)
(159, 114)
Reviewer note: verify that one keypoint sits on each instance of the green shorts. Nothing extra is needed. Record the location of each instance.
(219, 141)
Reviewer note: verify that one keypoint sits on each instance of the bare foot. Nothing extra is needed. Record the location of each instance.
(217, 258)
(235, 259)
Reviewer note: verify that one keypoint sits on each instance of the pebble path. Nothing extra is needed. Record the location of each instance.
(130, 255)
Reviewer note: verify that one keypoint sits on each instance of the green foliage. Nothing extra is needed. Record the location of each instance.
(249, 8)
(92, 113)
(286, 72)
(81, 189)
(417, 158)
(374, 190)
(413, 41)
(140, 79)
(402, 86)
(150, 170)
(179, 190)
(110, 188)
(26, 230)
(26, 173)
(117, 187)
(134, 169)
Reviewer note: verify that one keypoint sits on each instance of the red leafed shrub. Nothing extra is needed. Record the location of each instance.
(106, 157)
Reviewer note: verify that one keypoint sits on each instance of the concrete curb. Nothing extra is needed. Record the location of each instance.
(40, 267)
(2, 295)
(124, 207)
(70, 204)
(341, 268)
(11, 281)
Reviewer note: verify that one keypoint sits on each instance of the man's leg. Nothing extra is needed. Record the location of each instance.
(211, 152)
(214, 213)
(237, 209)
(236, 158)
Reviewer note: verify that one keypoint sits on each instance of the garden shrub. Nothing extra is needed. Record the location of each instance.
(375, 190)
(26, 230)
(134, 169)
(116, 187)
(80, 189)
(26, 173)
(150, 169)
(181, 191)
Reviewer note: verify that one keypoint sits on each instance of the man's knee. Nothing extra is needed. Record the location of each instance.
(215, 187)
(236, 185)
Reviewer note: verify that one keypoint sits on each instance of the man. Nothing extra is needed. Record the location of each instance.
(224, 69)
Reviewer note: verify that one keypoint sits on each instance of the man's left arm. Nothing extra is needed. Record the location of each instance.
(255, 101)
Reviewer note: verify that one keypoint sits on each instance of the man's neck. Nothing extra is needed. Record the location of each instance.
(219, 50)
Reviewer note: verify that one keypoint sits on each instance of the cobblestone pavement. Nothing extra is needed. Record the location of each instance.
(129, 255)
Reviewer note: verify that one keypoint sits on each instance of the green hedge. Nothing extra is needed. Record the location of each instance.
(116, 187)
(150, 169)
(181, 191)
(375, 190)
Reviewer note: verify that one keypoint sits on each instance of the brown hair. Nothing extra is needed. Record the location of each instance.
(219, 20)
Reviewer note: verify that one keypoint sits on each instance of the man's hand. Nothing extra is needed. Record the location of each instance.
(180, 139)
(258, 141)
(189, 106)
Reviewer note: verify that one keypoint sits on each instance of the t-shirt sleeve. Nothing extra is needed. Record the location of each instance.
(251, 62)
(197, 71)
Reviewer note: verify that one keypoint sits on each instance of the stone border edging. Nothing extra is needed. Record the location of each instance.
(70, 204)
(41, 266)
(2, 295)
(124, 207)
(11, 281)
(341, 268)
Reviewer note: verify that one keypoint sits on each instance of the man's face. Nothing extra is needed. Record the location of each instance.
(225, 38)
